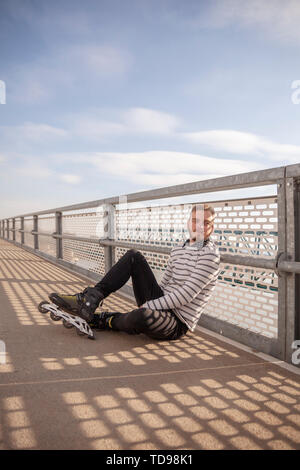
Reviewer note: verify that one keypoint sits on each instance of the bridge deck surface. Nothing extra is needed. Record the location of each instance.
(62, 391)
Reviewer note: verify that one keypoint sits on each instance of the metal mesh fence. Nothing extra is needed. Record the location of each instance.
(85, 255)
(244, 296)
(17, 233)
(86, 223)
(28, 238)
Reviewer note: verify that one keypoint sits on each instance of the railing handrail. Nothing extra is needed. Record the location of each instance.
(52, 212)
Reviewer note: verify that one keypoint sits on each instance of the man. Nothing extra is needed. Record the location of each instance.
(168, 310)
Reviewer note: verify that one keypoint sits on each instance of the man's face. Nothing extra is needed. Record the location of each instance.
(200, 224)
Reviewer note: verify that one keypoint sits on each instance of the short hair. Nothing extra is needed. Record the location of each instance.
(207, 207)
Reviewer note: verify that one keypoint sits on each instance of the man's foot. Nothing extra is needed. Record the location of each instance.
(103, 320)
(82, 304)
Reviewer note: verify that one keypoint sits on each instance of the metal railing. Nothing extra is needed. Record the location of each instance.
(261, 257)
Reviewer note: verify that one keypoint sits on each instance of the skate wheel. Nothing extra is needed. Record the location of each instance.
(54, 317)
(67, 324)
(41, 308)
(79, 332)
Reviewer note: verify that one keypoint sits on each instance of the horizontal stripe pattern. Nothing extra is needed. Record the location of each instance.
(188, 281)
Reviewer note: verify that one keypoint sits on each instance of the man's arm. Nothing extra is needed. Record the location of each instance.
(166, 274)
(203, 273)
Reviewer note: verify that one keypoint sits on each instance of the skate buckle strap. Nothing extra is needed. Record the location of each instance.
(109, 321)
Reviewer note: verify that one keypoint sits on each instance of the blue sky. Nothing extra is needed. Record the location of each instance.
(112, 97)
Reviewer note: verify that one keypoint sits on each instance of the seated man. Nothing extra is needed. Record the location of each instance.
(166, 311)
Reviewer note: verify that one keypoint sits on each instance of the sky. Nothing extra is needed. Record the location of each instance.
(109, 97)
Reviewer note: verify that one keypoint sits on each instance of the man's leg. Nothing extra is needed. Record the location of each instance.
(132, 264)
(156, 324)
(161, 324)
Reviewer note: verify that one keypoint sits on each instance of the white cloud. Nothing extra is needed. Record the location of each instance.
(99, 60)
(132, 121)
(70, 179)
(278, 19)
(150, 121)
(40, 132)
(38, 168)
(33, 170)
(245, 143)
(15, 206)
(226, 140)
(33, 88)
(93, 127)
(32, 132)
(38, 81)
(158, 168)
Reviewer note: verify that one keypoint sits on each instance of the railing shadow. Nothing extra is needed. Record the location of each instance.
(59, 391)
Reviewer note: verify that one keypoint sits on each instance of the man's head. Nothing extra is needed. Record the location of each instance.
(201, 222)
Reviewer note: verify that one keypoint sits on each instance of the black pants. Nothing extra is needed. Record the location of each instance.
(157, 324)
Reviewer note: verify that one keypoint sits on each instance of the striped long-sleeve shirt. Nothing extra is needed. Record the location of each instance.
(188, 281)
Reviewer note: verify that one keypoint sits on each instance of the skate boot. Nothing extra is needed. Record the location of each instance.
(82, 304)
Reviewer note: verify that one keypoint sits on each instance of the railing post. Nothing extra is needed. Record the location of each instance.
(109, 231)
(22, 231)
(297, 250)
(14, 228)
(58, 231)
(7, 229)
(297, 256)
(35, 229)
(282, 286)
(291, 190)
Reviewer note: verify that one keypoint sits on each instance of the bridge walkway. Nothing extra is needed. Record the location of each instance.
(62, 391)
